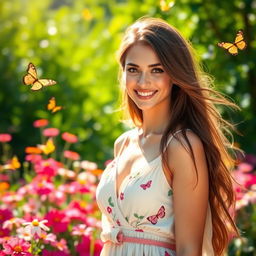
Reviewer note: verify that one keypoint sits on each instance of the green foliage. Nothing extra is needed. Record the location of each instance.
(78, 51)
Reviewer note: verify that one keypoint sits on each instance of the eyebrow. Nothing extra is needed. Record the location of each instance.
(151, 65)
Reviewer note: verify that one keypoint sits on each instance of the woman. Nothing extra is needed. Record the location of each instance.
(168, 190)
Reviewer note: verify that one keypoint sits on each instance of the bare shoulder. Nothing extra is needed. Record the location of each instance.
(119, 142)
(180, 158)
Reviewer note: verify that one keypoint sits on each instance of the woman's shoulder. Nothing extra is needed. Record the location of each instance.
(179, 148)
(121, 139)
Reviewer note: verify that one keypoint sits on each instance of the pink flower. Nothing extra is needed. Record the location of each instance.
(33, 158)
(61, 245)
(109, 209)
(83, 248)
(81, 230)
(122, 196)
(40, 123)
(5, 214)
(48, 168)
(71, 155)
(16, 247)
(245, 167)
(57, 221)
(4, 232)
(13, 223)
(51, 132)
(55, 253)
(43, 187)
(5, 137)
(69, 137)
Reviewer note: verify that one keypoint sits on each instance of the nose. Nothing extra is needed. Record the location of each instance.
(143, 79)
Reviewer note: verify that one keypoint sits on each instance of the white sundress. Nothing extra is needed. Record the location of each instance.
(143, 210)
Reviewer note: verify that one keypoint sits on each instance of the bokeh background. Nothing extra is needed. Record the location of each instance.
(74, 43)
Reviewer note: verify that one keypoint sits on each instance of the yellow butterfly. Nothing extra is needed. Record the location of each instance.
(51, 106)
(166, 5)
(48, 148)
(31, 79)
(239, 43)
(13, 164)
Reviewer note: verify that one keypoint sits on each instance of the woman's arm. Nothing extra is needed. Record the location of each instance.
(190, 198)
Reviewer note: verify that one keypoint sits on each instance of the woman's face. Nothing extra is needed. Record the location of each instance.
(146, 81)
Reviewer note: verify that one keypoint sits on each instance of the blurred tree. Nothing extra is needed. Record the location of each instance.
(74, 42)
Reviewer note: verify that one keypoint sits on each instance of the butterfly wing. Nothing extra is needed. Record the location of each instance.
(161, 212)
(36, 86)
(52, 105)
(231, 48)
(31, 75)
(152, 219)
(239, 41)
(47, 82)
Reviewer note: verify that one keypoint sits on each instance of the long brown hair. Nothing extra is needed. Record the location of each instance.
(193, 105)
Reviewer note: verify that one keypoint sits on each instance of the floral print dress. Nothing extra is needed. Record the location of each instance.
(143, 209)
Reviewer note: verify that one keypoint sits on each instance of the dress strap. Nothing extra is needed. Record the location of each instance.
(126, 135)
(170, 138)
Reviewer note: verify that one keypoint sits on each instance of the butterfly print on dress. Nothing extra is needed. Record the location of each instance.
(147, 185)
(154, 218)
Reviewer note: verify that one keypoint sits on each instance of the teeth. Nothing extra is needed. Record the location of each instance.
(145, 93)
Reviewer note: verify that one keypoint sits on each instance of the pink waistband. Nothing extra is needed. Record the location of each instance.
(122, 238)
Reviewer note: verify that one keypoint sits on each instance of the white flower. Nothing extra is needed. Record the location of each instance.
(36, 226)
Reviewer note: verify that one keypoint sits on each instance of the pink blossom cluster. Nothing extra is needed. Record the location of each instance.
(52, 211)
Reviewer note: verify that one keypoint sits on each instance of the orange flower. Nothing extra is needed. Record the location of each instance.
(69, 137)
(33, 150)
(40, 123)
(5, 137)
(71, 155)
(96, 172)
(4, 186)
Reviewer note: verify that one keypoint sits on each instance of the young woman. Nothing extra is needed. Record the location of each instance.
(168, 190)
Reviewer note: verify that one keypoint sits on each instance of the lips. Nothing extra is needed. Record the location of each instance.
(145, 94)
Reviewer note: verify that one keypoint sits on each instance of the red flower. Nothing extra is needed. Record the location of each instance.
(71, 155)
(51, 132)
(69, 137)
(5, 137)
(40, 123)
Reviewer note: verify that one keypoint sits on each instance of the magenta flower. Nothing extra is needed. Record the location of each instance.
(5, 137)
(43, 187)
(4, 232)
(5, 214)
(83, 248)
(69, 137)
(51, 132)
(57, 221)
(16, 247)
(55, 253)
(40, 123)
(48, 168)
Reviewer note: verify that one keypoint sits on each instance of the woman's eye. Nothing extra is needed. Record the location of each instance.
(157, 70)
(132, 70)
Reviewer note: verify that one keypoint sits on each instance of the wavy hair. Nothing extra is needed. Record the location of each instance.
(193, 105)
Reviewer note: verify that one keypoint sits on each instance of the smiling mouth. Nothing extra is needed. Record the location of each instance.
(145, 95)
